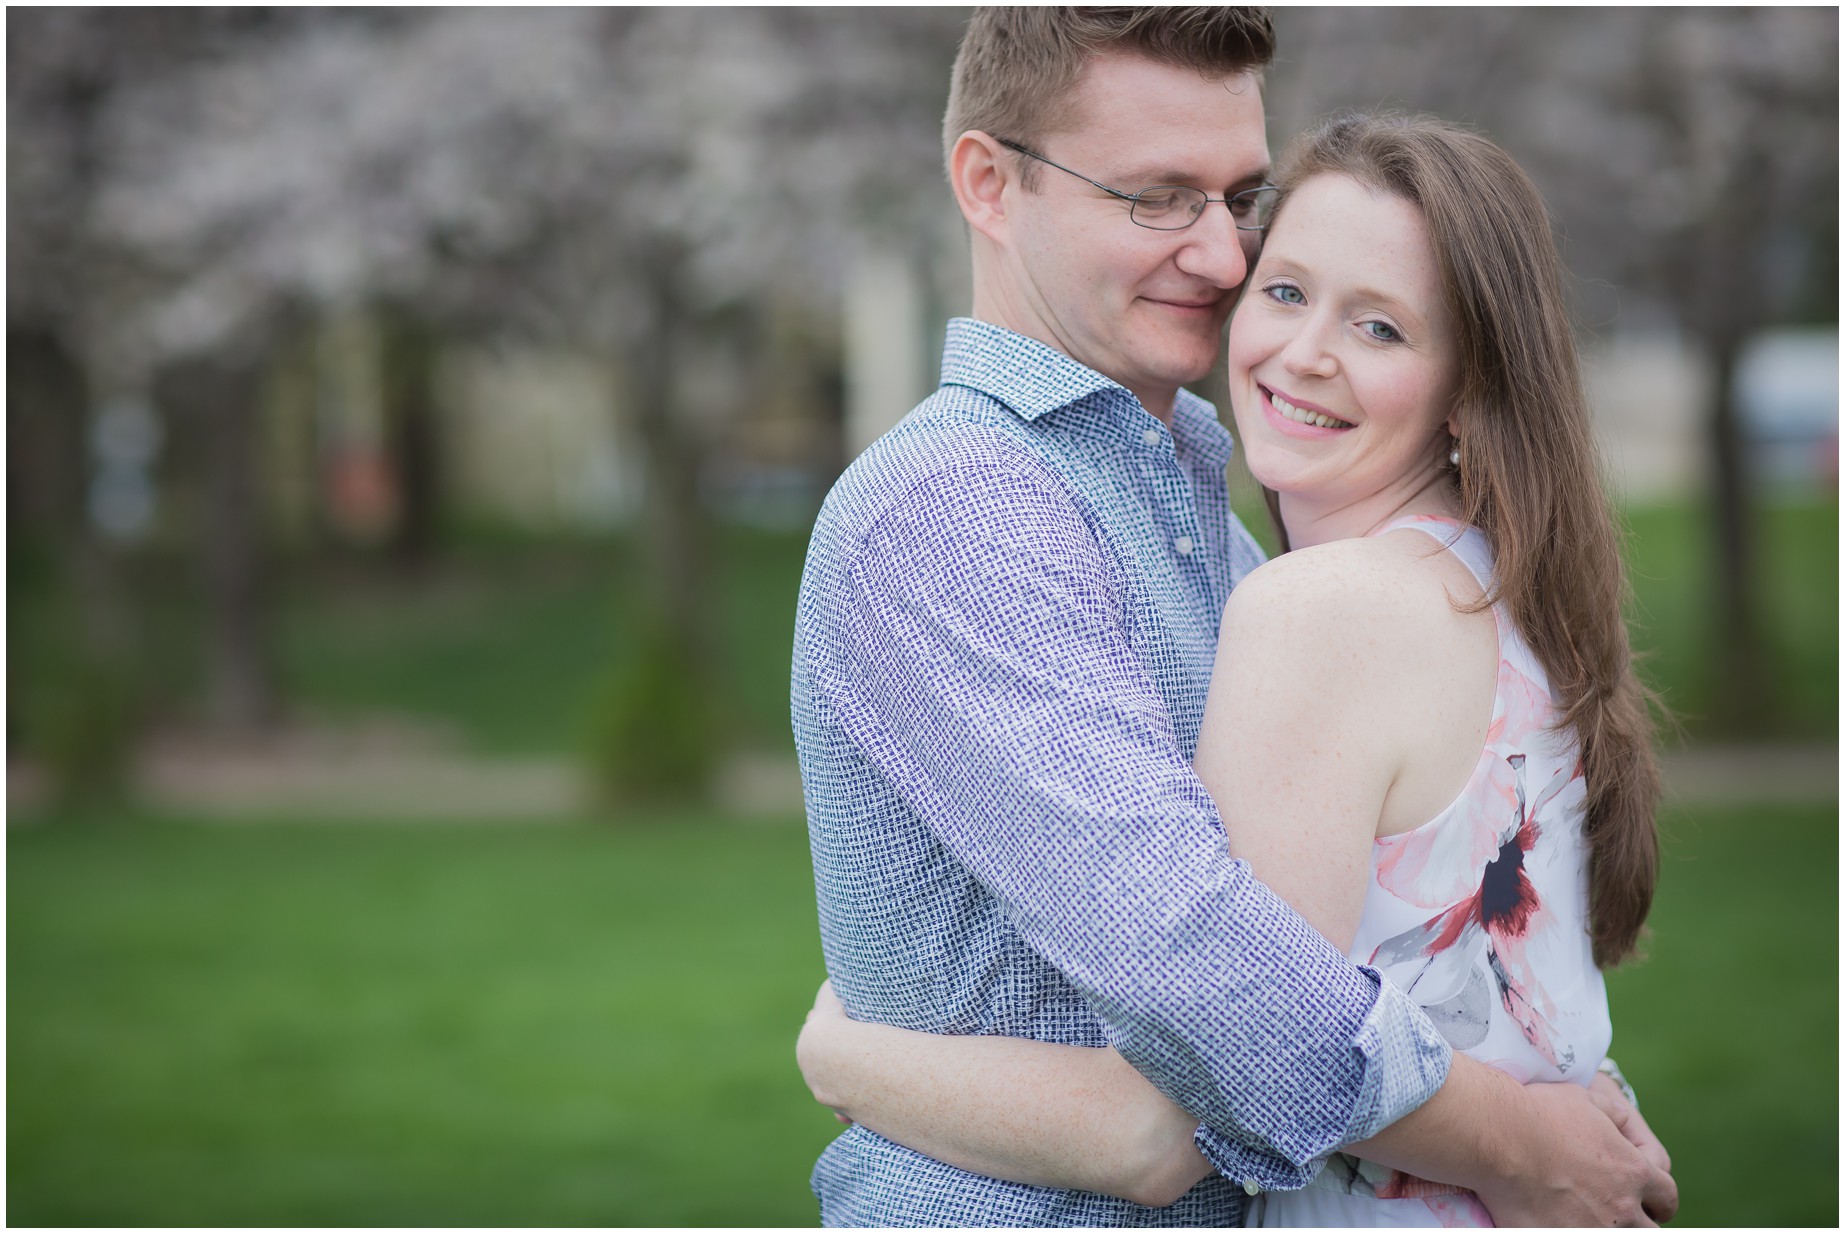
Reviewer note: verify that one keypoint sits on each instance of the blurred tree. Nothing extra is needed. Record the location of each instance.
(1740, 110)
(1690, 157)
(747, 151)
(66, 275)
(641, 182)
(187, 187)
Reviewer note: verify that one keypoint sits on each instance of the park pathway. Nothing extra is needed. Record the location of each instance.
(390, 776)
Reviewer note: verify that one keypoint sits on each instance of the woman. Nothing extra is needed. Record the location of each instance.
(1441, 756)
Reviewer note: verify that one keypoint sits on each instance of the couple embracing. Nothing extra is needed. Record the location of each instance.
(1147, 901)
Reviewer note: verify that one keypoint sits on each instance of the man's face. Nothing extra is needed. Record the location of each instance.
(1146, 308)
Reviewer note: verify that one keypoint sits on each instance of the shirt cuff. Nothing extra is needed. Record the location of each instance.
(1405, 1060)
(1402, 1059)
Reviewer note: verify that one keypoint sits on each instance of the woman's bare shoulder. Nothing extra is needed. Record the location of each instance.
(1375, 618)
(1382, 578)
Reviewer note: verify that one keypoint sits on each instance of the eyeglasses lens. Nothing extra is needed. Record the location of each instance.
(1176, 207)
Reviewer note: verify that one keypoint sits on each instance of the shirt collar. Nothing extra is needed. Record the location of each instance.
(1030, 377)
(1033, 378)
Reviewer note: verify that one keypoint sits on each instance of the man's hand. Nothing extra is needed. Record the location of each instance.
(1585, 1157)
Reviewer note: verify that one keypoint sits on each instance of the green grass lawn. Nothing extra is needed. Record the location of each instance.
(1729, 1030)
(506, 1026)
(557, 1025)
(506, 644)
(1674, 622)
(508, 648)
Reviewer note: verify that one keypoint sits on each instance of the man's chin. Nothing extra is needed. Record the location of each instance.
(1189, 371)
(1195, 348)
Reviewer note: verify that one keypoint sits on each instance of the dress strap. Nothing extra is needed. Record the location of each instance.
(1464, 541)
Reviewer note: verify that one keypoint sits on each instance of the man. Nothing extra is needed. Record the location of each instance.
(1005, 636)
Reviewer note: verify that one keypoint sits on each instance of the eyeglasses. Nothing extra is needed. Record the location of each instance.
(1174, 207)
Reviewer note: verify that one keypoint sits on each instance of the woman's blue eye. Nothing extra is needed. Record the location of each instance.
(1383, 332)
(1287, 294)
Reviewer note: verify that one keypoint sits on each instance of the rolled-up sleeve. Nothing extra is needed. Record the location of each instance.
(980, 657)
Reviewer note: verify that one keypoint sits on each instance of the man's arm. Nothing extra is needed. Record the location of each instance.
(980, 656)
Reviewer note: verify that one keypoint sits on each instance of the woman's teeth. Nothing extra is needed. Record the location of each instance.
(1291, 412)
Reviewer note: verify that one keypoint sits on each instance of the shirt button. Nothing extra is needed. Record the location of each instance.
(1151, 437)
(1250, 1187)
(1184, 545)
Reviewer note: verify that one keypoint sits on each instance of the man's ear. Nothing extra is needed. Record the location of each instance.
(980, 170)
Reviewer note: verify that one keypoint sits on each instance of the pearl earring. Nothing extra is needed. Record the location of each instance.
(1454, 458)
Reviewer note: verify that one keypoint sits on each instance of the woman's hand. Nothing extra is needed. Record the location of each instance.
(814, 1048)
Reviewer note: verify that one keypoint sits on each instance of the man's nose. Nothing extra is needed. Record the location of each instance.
(1215, 249)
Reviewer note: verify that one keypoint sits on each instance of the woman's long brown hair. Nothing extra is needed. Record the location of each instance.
(1528, 476)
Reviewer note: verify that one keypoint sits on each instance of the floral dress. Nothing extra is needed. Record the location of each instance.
(1480, 915)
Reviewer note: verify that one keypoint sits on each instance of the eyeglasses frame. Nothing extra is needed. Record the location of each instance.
(1133, 199)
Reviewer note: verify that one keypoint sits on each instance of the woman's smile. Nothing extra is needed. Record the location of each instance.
(1301, 415)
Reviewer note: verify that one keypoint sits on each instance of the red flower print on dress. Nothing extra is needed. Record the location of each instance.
(1447, 962)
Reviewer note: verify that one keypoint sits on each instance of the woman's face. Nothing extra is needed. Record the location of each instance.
(1342, 358)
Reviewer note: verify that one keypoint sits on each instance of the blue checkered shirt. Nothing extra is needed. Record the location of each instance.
(1004, 640)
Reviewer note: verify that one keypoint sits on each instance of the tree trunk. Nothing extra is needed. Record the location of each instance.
(659, 729)
(1741, 679)
(225, 396)
(1725, 302)
(409, 362)
(675, 527)
(46, 465)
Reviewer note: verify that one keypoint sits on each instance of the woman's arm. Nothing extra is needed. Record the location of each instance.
(1324, 666)
(1026, 1111)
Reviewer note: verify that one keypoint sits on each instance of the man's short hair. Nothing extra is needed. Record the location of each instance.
(1017, 65)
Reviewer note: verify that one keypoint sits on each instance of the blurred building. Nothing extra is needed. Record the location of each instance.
(1787, 384)
(537, 437)
(1650, 391)
(1647, 393)
(532, 438)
